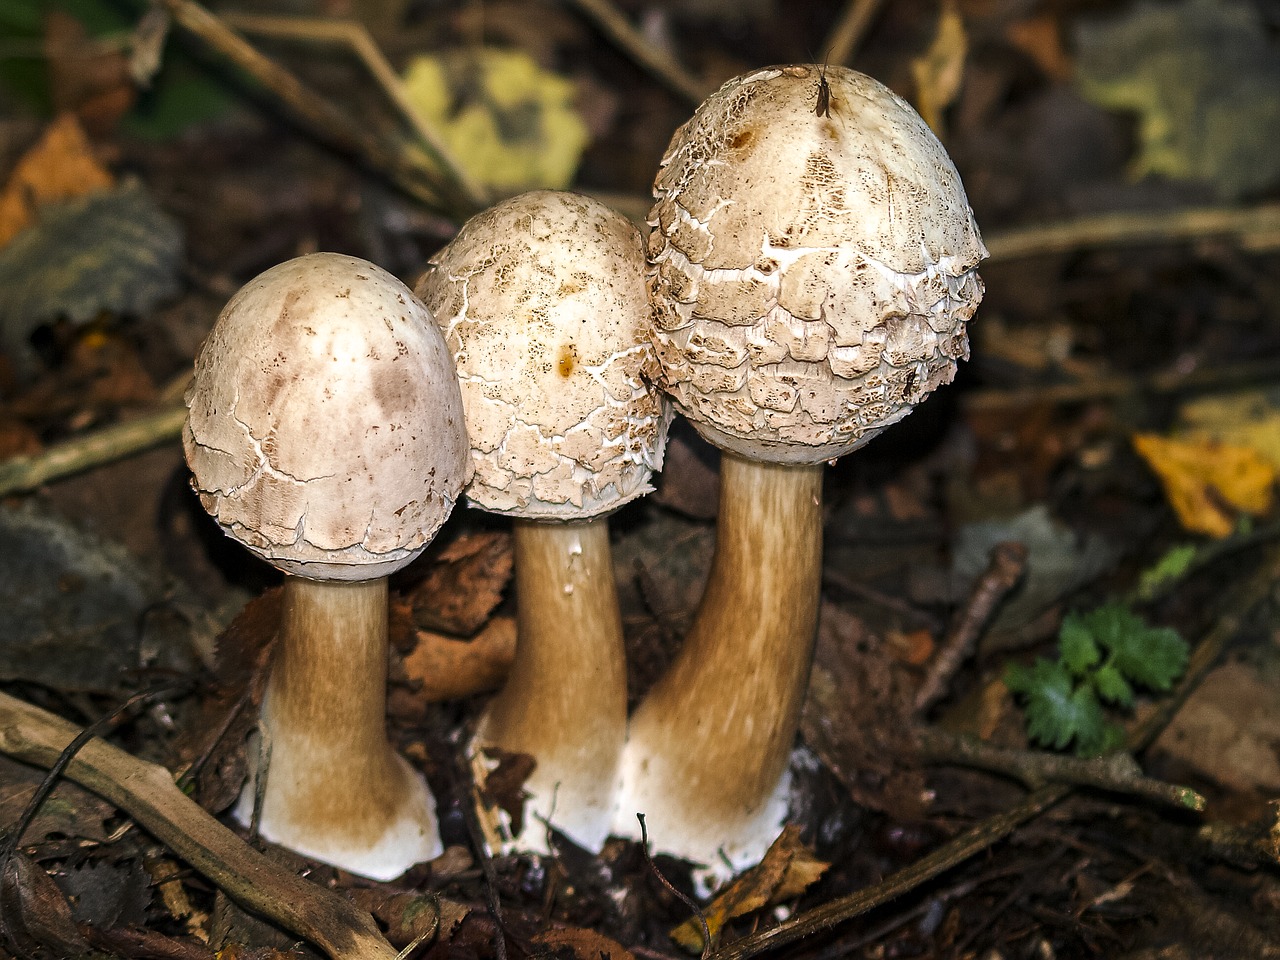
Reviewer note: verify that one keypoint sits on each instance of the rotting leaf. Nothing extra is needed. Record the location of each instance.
(68, 811)
(1201, 75)
(500, 779)
(59, 166)
(1208, 482)
(444, 668)
(35, 911)
(107, 894)
(786, 871)
(113, 252)
(582, 944)
(464, 584)
(408, 916)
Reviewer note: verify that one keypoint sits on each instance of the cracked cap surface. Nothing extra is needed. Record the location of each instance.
(812, 275)
(543, 304)
(325, 430)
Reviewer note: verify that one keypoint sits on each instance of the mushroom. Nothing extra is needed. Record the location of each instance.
(543, 303)
(326, 435)
(812, 274)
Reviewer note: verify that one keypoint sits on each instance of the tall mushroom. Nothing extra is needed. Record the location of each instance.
(326, 434)
(812, 274)
(542, 301)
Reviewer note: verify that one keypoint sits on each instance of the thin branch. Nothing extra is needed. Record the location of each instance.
(613, 24)
(1255, 228)
(116, 442)
(406, 169)
(356, 37)
(1117, 772)
(847, 34)
(1003, 572)
(147, 793)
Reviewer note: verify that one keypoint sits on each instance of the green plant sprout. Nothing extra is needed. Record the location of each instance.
(1103, 655)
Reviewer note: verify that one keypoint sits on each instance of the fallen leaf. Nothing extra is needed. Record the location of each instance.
(1208, 482)
(787, 870)
(464, 584)
(1040, 38)
(445, 668)
(60, 166)
(939, 71)
(1245, 418)
(1201, 76)
(582, 944)
(35, 911)
(87, 74)
(510, 123)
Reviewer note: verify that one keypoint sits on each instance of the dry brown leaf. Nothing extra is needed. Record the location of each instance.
(87, 75)
(444, 668)
(464, 585)
(61, 165)
(1040, 38)
(787, 870)
(584, 944)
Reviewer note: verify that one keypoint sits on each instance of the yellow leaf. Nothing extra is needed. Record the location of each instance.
(1245, 418)
(787, 870)
(939, 71)
(60, 166)
(1206, 480)
(509, 122)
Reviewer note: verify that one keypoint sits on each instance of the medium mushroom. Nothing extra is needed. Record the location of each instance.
(543, 303)
(812, 274)
(326, 435)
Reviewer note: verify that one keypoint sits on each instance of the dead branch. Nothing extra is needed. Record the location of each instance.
(94, 449)
(147, 793)
(614, 25)
(1003, 572)
(1117, 772)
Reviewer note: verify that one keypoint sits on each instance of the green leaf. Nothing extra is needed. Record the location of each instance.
(1112, 687)
(1057, 711)
(1154, 657)
(1079, 652)
(1170, 567)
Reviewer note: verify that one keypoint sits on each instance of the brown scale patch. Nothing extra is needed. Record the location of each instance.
(566, 359)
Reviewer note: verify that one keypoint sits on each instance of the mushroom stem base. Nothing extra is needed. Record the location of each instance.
(335, 789)
(708, 748)
(565, 700)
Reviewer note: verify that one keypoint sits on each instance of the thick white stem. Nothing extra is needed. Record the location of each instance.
(336, 790)
(707, 750)
(565, 700)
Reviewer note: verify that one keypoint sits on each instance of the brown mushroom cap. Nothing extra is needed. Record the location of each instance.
(543, 304)
(326, 431)
(812, 275)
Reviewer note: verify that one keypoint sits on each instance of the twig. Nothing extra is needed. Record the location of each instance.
(356, 37)
(147, 793)
(1238, 602)
(326, 122)
(471, 807)
(1257, 229)
(1117, 772)
(614, 25)
(1008, 560)
(94, 449)
(847, 34)
(691, 904)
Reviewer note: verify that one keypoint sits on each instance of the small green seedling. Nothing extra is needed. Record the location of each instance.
(1103, 656)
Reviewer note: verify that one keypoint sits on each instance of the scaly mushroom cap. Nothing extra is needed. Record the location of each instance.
(543, 304)
(326, 431)
(812, 275)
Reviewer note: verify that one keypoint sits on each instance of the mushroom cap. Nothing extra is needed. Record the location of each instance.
(812, 275)
(325, 430)
(543, 304)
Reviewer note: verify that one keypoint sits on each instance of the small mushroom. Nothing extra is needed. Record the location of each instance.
(542, 301)
(812, 274)
(326, 435)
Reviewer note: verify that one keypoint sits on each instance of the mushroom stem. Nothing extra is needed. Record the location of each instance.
(325, 712)
(708, 747)
(565, 700)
